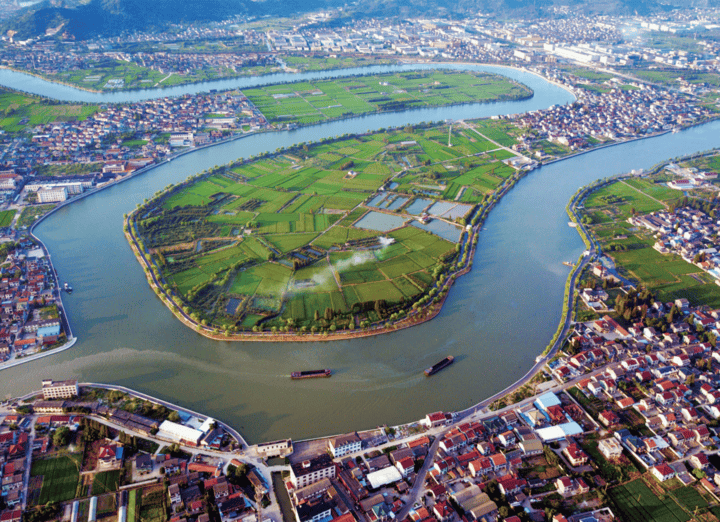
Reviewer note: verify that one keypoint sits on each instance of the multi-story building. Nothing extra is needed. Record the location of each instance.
(310, 471)
(52, 194)
(59, 389)
(341, 446)
(277, 448)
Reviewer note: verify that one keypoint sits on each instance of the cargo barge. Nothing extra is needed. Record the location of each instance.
(311, 374)
(447, 361)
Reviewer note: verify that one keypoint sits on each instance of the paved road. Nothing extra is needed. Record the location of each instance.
(419, 485)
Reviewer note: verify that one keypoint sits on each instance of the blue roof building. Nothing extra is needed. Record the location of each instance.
(546, 400)
(47, 331)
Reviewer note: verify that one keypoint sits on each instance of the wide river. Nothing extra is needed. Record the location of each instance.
(496, 320)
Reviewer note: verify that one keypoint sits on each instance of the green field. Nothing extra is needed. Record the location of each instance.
(668, 276)
(636, 502)
(276, 241)
(20, 111)
(60, 477)
(106, 482)
(6, 217)
(132, 511)
(100, 74)
(311, 102)
(31, 214)
(152, 505)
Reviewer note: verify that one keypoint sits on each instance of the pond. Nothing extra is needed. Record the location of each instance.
(379, 221)
(440, 228)
(416, 207)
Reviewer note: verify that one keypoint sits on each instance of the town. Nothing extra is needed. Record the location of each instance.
(623, 414)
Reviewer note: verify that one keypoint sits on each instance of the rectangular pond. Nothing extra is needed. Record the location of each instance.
(379, 221)
(399, 202)
(417, 206)
(375, 202)
(440, 228)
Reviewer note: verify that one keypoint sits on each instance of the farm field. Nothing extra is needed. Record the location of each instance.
(319, 236)
(637, 502)
(103, 75)
(6, 217)
(668, 276)
(19, 111)
(59, 477)
(106, 482)
(312, 102)
(151, 505)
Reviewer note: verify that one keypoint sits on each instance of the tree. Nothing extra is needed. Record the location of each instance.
(174, 417)
(241, 471)
(61, 438)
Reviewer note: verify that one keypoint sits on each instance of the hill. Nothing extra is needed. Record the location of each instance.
(89, 18)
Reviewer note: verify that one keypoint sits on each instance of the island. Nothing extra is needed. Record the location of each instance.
(349, 237)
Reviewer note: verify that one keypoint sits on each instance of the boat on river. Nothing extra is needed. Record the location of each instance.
(447, 361)
(68, 288)
(311, 374)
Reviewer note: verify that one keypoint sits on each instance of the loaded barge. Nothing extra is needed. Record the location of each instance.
(447, 361)
(311, 374)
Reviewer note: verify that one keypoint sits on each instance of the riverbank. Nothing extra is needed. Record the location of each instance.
(279, 69)
(414, 318)
(34, 357)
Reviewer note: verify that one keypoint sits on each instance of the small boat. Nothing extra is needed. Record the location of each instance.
(311, 374)
(568, 263)
(68, 288)
(447, 361)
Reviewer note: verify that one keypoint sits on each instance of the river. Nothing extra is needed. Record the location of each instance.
(495, 321)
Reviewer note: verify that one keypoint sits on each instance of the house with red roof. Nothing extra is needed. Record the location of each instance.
(443, 511)
(609, 418)
(575, 455)
(662, 472)
(405, 466)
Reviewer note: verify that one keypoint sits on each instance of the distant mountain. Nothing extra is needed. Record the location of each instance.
(88, 18)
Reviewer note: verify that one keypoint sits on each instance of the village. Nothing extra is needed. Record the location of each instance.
(32, 320)
(620, 410)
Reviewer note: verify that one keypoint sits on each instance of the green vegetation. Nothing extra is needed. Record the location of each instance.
(108, 74)
(667, 276)
(311, 102)
(283, 242)
(59, 477)
(31, 214)
(637, 502)
(6, 217)
(70, 169)
(132, 511)
(106, 482)
(20, 111)
(153, 504)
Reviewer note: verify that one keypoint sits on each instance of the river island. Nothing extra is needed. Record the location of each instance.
(346, 238)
